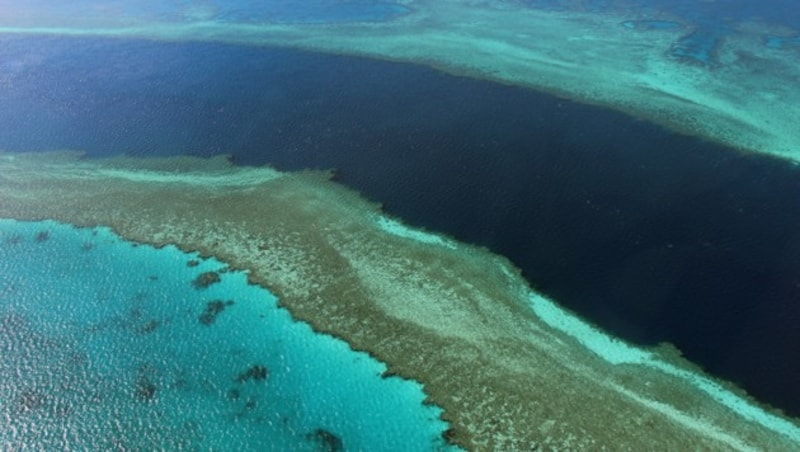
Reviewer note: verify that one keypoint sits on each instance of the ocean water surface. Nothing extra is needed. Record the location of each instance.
(107, 345)
(654, 235)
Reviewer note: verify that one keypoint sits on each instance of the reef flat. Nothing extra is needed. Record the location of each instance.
(510, 369)
(744, 98)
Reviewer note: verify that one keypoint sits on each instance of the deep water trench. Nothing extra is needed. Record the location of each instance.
(652, 235)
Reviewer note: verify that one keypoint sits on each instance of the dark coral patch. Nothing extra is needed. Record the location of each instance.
(234, 394)
(256, 372)
(42, 236)
(31, 401)
(144, 389)
(28, 400)
(213, 309)
(326, 440)
(205, 280)
(193, 263)
(149, 326)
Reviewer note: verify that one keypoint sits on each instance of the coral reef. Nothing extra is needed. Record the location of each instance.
(256, 372)
(213, 309)
(205, 280)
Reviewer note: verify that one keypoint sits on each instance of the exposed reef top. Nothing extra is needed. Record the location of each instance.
(454, 317)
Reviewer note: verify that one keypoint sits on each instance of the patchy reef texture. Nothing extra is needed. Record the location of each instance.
(508, 373)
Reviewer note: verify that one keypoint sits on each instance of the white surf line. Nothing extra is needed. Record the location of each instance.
(209, 30)
(237, 178)
(615, 351)
(398, 229)
(240, 177)
(690, 422)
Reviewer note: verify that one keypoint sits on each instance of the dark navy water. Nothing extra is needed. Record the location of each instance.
(655, 236)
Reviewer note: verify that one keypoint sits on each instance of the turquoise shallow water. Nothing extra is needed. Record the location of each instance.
(109, 345)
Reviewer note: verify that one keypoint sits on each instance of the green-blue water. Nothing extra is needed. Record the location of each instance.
(106, 345)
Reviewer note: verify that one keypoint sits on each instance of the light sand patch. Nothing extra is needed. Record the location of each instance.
(397, 228)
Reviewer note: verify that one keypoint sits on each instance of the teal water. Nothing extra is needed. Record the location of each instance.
(108, 345)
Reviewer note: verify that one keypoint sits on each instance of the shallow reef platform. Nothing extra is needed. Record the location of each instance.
(510, 369)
